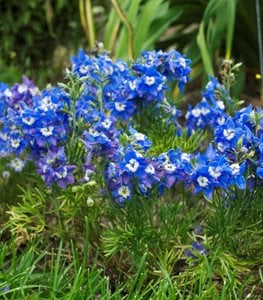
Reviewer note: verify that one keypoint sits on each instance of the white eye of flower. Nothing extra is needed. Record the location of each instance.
(124, 191)
(22, 88)
(106, 123)
(133, 165)
(28, 120)
(221, 105)
(119, 106)
(132, 85)
(169, 167)
(83, 69)
(221, 120)
(15, 143)
(214, 172)
(93, 132)
(182, 62)
(229, 134)
(47, 131)
(235, 169)
(202, 181)
(196, 112)
(47, 104)
(149, 80)
(150, 169)
(8, 93)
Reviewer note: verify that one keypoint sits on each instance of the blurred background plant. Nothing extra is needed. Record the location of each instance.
(37, 37)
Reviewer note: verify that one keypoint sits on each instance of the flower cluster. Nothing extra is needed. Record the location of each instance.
(121, 89)
(75, 135)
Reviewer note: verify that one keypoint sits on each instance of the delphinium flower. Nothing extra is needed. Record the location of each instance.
(175, 166)
(131, 169)
(54, 168)
(116, 87)
(172, 64)
(151, 84)
(21, 92)
(102, 137)
(45, 124)
(121, 108)
(139, 140)
(210, 170)
(227, 135)
(210, 111)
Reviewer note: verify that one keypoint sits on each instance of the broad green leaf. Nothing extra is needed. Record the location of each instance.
(148, 13)
(154, 36)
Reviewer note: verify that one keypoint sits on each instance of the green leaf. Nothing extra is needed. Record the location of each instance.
(132, 15)
(204, 51)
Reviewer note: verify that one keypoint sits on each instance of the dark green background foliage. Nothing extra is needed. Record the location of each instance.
(37, 36)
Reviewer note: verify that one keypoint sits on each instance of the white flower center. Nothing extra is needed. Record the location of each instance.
(133, 165)
(149, 80)
(220, 120)
(22, 88)
(119, 106)
(196, 112)
(28, 120)
(150, 169)
(83, 69)
(235, 169)
(124, 191)
(132, 85)
(47, 104)
(169, 167)
(221, 105)
(8, 93)
(229, 134)
(15, 143)
(106, 123)
(202, 181)
(47, 131)
(214, 171)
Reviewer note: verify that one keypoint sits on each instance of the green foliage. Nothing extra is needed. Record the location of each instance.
(35, 35)
(165, 140)
(149, 21)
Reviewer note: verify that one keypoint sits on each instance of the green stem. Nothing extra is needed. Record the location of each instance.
(127, 23)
